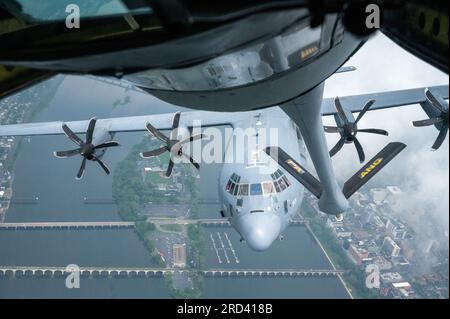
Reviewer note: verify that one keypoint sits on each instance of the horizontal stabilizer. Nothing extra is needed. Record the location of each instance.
(295, 169)
(372, 167)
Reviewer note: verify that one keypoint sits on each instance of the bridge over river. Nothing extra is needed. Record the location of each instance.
(98, 272)
(119, 225)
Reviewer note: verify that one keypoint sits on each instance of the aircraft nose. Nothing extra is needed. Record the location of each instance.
(260, 230)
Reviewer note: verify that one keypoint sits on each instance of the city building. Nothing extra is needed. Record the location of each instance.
(400, 261)
(390, 277)
(390, 247)
(179, 255)
(358, 254)
(401, 290)
(395, 229)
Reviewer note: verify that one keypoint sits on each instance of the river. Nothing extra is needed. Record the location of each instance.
(39, 174)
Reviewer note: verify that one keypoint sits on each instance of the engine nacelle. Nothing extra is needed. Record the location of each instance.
(101, 135)
(180, 134)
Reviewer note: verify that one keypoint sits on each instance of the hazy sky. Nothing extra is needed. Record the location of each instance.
(424, 175)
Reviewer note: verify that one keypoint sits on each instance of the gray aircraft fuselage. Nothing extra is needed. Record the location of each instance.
(258, 197)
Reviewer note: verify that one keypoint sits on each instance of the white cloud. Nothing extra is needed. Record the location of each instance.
(384, 66)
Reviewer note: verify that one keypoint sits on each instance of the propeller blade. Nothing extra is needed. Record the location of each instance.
(337, 147)
(359, 149)
(82, 168)
(90, 130)
(169, 169)
(72, 136)
(107, 144)
(176, 121)
(340, 110)
(427, 122)
(103, 165)
(434, 101)
(64, 154)
(193, 138)
(441, 137)
(154, 153)
(332, 129)
(193, 162)
(364, 110)
(374, 131)
(156, 133)
(175, 124)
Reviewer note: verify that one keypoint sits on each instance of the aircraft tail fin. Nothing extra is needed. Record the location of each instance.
(369, 170)
(296, 170)
(372, 167)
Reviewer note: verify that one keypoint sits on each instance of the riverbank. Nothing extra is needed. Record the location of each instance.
(353, 280)
(134, 189)
(49, 89)
(330, 261)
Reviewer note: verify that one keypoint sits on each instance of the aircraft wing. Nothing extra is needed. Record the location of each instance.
(383, 100)
(124, 124)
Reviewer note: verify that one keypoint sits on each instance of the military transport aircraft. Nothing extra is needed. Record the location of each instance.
(258, 197)
(241, 58)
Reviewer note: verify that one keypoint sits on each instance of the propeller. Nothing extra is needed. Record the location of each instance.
(349, 129)
(442, 119)
(86, 149)
(172, 145)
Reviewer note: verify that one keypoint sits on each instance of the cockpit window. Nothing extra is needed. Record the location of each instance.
(280, 181)
(277, 186)
(286, 180)
(243, 190)
(233, 186)
(282, 184)
(268, 188)
(277, 174)
(235, 178)
(255, 189)
(228, 187)
(236, 189)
